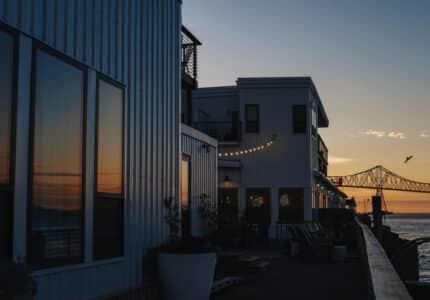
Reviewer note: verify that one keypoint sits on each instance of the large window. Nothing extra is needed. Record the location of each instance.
(109, 200)
(57, 167)
(291, 205)
(7, 71)
(252, 116)
(299, 118)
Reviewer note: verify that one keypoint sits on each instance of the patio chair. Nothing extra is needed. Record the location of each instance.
(315, 249)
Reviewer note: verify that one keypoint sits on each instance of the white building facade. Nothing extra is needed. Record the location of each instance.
(272, 160)
(90, 139)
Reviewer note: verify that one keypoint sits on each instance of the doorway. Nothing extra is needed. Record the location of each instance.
(186, 195)
(228, 208)
(258, 206)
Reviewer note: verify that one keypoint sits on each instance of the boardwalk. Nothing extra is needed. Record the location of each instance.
(289, 278)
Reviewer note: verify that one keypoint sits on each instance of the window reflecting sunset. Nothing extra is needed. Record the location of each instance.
(57, 173)
(110, 139)
(6, 86)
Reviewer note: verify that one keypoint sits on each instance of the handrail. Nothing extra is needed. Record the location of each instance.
(383, 278)
(189, 54)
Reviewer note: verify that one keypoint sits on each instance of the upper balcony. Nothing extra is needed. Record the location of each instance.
(225, 132)
(189, 58)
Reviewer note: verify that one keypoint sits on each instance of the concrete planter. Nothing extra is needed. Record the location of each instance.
(186, 276)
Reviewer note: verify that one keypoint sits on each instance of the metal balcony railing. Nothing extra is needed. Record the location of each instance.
(189, 54)
(322, 149)
(224, 132)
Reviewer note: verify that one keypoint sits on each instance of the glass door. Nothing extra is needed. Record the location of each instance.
(186, 196)
(228, 207)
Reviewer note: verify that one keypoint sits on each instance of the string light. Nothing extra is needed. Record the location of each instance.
(249, 150)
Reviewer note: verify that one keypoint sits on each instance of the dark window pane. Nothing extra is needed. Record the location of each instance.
(110, 139)
(252, 113)
(291, 205)
(56, 202)
(108, 227)
(6, 217)
(252, 118)
(299, 118)
(6, 95)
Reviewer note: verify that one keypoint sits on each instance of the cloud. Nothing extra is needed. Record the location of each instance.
(397, 135)
(377, 133)
(424, 134)
(339, 160)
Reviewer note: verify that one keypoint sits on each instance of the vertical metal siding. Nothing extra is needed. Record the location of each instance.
(204, 176)
(137, 43)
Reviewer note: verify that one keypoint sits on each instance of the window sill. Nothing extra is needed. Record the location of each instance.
(71, 268)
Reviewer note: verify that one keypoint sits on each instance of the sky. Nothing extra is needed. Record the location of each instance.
(370, 63)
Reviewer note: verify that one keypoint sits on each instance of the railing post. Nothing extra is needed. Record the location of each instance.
(377, 216)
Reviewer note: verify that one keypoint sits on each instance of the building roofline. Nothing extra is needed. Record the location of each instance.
(299, 81)
(218, 91)
(267, 82)
(198, 135)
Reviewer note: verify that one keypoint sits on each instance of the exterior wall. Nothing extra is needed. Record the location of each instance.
(138, 44)
(204, 175)
(287, 163)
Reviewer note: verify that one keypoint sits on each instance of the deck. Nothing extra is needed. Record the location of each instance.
(290, 278)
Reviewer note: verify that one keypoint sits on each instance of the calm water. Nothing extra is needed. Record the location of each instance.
(410, 227)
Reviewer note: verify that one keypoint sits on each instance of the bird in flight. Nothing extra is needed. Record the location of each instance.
(408, 158)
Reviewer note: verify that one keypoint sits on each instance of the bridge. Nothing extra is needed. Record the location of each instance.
(380, 178)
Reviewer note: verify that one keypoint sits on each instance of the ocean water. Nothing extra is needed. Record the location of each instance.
(412, 226)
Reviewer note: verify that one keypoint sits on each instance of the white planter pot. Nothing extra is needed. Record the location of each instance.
(186, 276)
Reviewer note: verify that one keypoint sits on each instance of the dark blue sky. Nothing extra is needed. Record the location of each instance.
(369, 60)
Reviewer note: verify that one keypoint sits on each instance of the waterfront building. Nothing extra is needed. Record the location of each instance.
(272, 160)
(91, 141)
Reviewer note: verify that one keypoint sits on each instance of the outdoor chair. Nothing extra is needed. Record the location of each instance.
(318, 233)
(315, 249)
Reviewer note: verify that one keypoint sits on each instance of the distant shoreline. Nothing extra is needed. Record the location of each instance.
(417, 215)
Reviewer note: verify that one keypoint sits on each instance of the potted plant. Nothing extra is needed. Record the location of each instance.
(15, 281)
(186, 265)
(209, 215)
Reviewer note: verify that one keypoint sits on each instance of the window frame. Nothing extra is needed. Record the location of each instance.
(248, 122)
(103, 195)
(9, 188)
(39, 46)
(296, 129)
